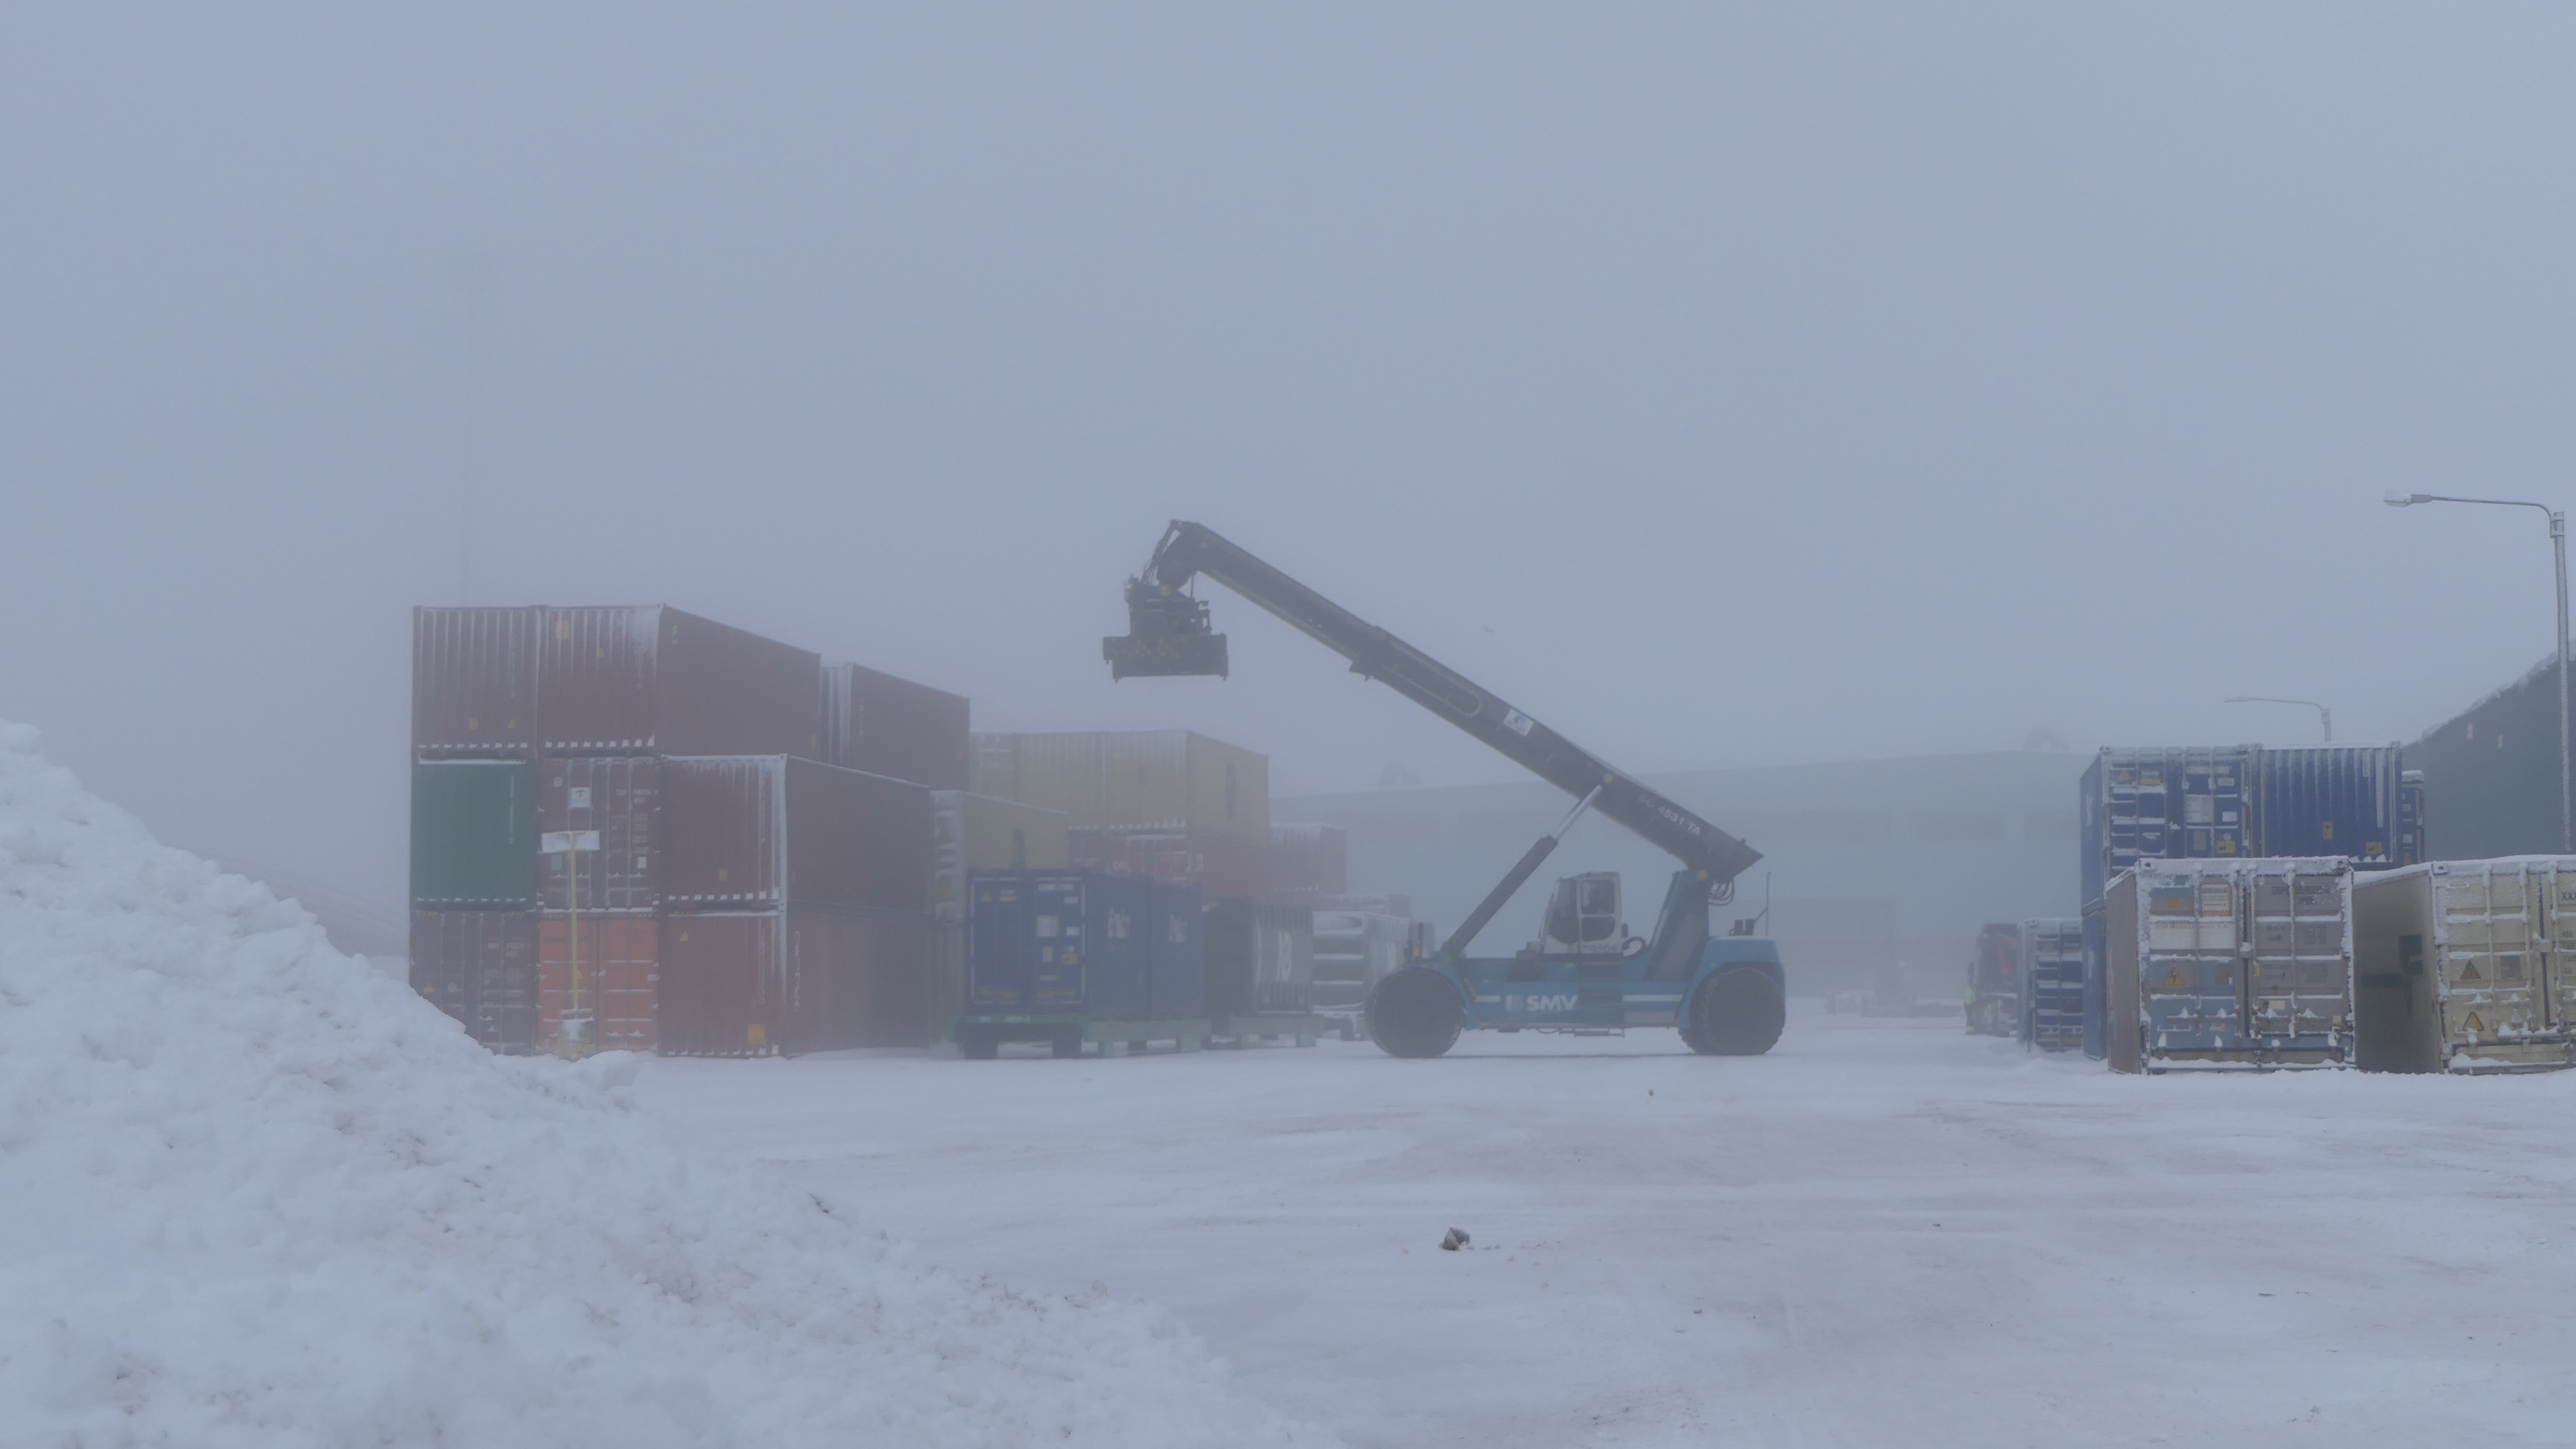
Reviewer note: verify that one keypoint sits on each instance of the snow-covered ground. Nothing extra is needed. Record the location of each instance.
(254, 1192)
(1883, 1233)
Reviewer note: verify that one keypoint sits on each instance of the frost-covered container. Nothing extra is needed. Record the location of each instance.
(620, 798)
(1059, 943)
(1168, 781)
(653, 680)
(876, 722)
(1354, 950)
(2460, 965)
(2230, 963)
(1260, 957)
(766, 831)
(474, 681)
(473, 835)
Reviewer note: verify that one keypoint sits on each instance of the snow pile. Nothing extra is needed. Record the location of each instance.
(253, 1193)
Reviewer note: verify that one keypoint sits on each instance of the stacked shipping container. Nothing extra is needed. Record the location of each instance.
(1167, 804)
(2052, 983)
(729, 894)
(2229, 964)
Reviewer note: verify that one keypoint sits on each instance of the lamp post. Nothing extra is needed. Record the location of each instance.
(2325, 716)
(2558, 545)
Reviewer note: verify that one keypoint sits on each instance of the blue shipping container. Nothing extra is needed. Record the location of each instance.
(2232, 801)
(2052, 983)
(1177, 971)
(1058, 943)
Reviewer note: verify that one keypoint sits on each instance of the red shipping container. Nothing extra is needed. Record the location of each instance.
(1309, 861)
(653, 680)
(481, 968)
(793, 981)
(474, 682)
(620, 984)
(621, 798)
(887, 726)
(1218, 867)
(764, 832)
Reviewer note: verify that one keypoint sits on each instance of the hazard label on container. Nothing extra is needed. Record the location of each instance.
(2469, 971)
(2473, 1026)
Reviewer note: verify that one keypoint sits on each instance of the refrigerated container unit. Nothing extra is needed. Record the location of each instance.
(2463, 965)
(1354, 950)
(651, 680)
(1309, 861)
(1261, 969)
(613, 998)
(876, 722)
(2139, 805)
(766, 832)
(1166, 781)
(1064, 957)
(619, 797)
(1218, 866)
(474, 682)
(480, 967)
(473, 835)
(787, 982)
(2229, 964)
(2052, 983)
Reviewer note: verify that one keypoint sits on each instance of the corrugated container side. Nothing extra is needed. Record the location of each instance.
(1309, 861)
(2332, 800)
(857, 979)
(767, 831)
(1216, 865)
(480, 967)
(633, 680)
(1153, 780)
(720, 983)
(1260, 957)
(2485, 982)
(2244, 962)
(474, 681)
(1177, 952)
(2396, 1026)
(1059, 942)
(2164, 804)
(876, 722)
(621, 798)
(473, 835)
(619, 978)
(978, 832)
(2097, 965)
(2122, 1040)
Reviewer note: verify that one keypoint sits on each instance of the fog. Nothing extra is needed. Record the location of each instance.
(1760, 386)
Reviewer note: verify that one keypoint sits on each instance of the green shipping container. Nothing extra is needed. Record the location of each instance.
(1260, 956)
(473, 835)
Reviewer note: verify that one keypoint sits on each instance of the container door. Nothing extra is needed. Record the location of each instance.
(2321, 1006)
(2189, 978)
(2271, 978)
(1060, 944)
(1001, 948)
(2558, 896)
(2486, 959)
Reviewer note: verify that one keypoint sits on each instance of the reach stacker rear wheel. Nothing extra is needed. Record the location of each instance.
(1415, 1012)
(1737, 1012)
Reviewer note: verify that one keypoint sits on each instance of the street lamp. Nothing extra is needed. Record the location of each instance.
(2558, 545)
(2325, 716)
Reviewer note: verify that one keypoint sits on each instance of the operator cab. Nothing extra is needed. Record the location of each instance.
(1583, 917)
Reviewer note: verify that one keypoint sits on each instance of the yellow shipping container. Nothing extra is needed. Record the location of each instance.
(1145, 780)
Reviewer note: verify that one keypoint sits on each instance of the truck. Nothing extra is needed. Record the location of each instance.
(1726, 995)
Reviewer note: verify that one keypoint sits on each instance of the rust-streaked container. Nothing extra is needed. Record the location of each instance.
(1151, 780)
(876, 722)
(1216, 865)
(794, 981)
(1309, 861)
(762, 832)
(650, 680)
(481, 968)
(474, 682)
(620, 956)
(620, 796)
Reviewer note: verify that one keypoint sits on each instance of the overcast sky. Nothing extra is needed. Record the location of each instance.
(1725, 385)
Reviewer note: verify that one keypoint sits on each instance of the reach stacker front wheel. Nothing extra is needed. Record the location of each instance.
(1415, 1012)
(1737, 1012)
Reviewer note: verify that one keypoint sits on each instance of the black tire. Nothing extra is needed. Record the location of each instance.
(1737, 1012)
(1415, 1012)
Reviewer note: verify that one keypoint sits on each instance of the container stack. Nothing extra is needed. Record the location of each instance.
(1166, 804)
(2145, 809)
(626, 835)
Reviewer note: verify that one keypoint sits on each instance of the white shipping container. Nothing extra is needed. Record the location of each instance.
(2461, 965)
(2230, 963)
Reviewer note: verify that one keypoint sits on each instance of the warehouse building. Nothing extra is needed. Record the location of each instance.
(2491, 773)
(1878, 872)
